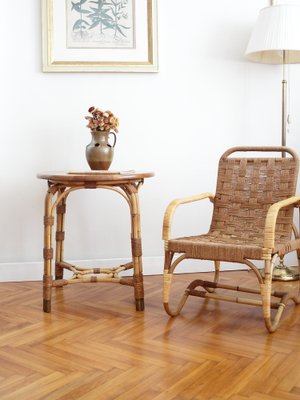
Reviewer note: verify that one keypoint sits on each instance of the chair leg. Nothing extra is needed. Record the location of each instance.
(296, 298)
(216, 277)
(168, 275)
(217, 271)
(266, 293)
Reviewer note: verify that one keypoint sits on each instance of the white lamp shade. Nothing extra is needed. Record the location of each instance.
(277, 29)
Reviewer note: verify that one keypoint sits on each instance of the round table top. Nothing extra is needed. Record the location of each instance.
(94, 176)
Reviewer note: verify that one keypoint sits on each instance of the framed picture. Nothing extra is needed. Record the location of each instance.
(99, 35)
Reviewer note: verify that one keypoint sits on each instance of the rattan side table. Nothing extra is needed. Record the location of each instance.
(60, 185)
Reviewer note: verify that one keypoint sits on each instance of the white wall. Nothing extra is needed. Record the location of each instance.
(177, 123)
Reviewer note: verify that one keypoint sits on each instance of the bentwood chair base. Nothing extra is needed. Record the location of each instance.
(252, 220)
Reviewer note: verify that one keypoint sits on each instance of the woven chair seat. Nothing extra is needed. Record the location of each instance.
(220, 246)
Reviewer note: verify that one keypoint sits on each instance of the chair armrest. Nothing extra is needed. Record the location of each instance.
(172, 207)
(271, 218)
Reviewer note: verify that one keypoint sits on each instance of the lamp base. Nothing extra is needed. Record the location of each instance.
(283, 273)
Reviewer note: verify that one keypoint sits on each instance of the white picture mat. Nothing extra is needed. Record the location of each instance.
(56, 55)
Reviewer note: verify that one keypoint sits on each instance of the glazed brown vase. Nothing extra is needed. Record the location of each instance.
(99, 153)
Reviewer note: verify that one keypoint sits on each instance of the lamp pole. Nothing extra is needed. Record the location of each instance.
(282, 272)
(284, 87)
(276, 40)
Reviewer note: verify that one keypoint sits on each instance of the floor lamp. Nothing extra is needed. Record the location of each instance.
(276, 40)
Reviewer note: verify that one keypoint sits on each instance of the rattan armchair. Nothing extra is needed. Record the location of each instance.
(252, 220)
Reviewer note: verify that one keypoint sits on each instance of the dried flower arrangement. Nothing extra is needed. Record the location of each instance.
(102, 120)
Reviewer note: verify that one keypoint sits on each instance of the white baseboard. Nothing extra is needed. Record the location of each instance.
(33, 271)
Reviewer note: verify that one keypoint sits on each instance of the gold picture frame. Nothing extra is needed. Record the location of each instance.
(111, 36)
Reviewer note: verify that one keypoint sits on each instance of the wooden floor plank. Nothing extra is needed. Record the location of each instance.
(94, 345)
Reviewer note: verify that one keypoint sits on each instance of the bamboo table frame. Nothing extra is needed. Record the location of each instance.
(60, 185)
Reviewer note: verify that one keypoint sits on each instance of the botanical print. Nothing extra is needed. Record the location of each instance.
(100, 23)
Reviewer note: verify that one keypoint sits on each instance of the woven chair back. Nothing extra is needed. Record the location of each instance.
(247, 187)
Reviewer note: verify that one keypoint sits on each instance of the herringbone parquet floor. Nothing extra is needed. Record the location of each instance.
(94, 345)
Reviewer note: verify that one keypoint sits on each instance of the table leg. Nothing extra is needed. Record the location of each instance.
(60, 235)
(136, 246)
(48, 250)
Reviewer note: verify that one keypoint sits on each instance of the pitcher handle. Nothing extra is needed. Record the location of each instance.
(115, 139)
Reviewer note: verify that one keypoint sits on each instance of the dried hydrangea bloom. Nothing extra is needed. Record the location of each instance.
(102, 120)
